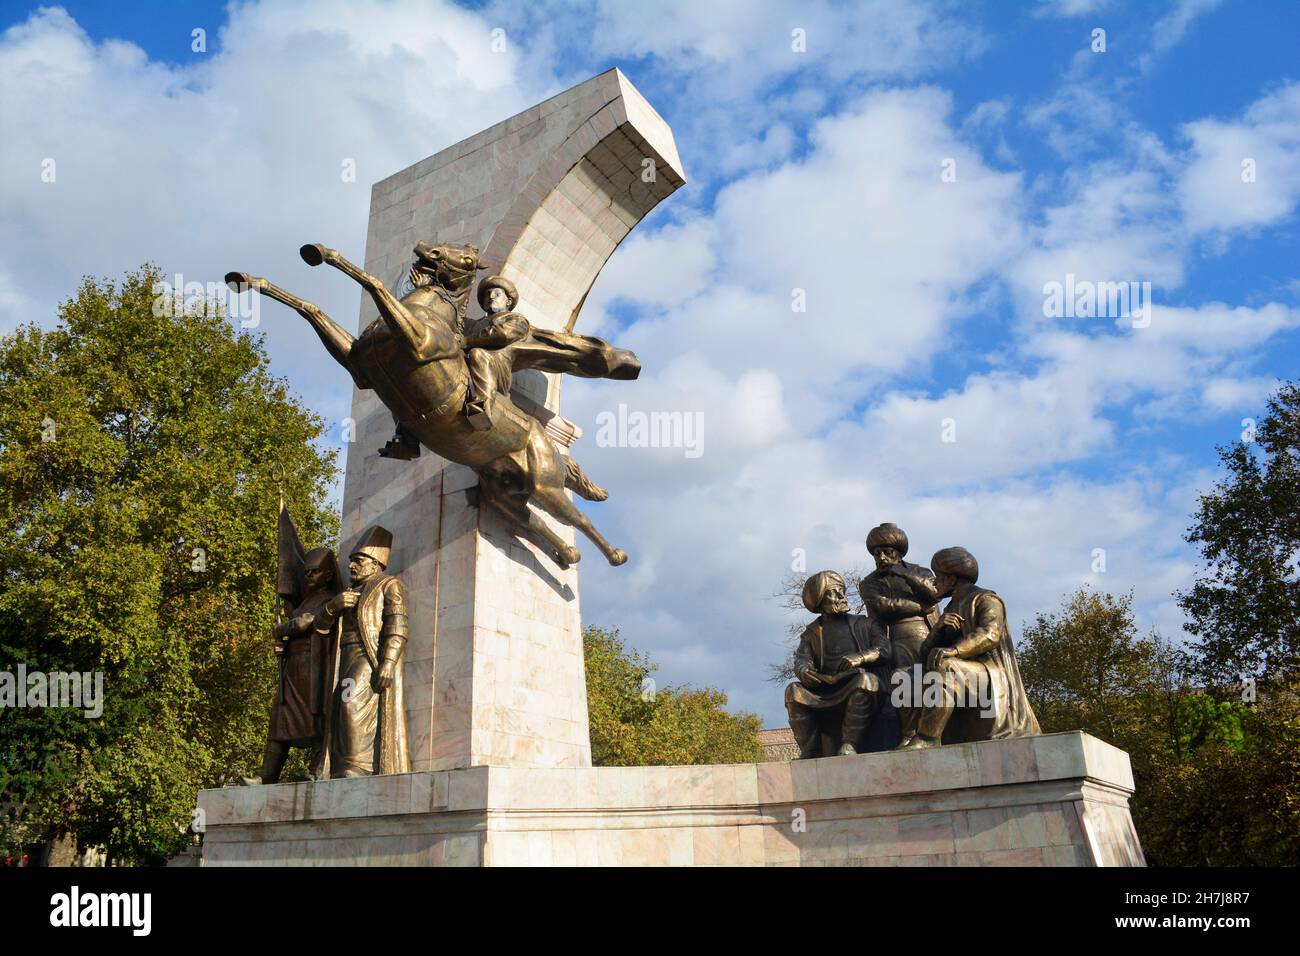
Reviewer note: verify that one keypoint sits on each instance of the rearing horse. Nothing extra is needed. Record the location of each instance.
(414, 361)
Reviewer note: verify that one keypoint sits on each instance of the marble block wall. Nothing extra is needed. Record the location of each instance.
(494, 667)
(1055, 800)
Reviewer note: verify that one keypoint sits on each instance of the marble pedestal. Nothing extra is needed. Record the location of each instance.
(1056, 800)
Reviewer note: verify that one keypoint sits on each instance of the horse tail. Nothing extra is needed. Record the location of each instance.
(576, 480)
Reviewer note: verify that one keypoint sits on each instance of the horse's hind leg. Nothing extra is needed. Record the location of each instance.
(522, 521)
(337, 340)
(553, 500)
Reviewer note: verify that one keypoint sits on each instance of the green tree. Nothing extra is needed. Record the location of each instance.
(139, 445)
(1233, 802)
(1244, 609)
(1215, 778)
(635, 723)
(1086, 667)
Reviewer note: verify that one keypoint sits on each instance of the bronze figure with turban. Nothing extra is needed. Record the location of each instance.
(835, 697)
(902, 603)
(970, 653)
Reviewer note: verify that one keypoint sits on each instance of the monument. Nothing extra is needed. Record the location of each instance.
(460, 449)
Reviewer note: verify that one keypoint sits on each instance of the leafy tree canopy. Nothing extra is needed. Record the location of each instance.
(139, 452)
(635, 723)
(1245, 607)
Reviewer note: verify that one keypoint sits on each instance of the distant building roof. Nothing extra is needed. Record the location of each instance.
(778, 744)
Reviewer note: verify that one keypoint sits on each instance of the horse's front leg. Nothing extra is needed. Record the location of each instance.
(416, 335)
(336, 339)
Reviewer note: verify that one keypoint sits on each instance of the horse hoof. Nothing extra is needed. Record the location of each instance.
(618, 556)
(568, 556)
(241, 281)
(313, 253)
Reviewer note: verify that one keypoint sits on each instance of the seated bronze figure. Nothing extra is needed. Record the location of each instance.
(835, 697)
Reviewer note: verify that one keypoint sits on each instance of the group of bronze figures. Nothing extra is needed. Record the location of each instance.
(950, 676)
(340, 650)
(447, 381)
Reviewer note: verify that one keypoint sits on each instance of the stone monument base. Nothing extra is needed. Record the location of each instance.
(1055, 800)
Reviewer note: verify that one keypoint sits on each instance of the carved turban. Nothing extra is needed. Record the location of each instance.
(958, 562)
(887, 535)
(497, 282)
(815, 588)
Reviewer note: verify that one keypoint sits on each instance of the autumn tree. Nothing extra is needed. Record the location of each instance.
(139, 447)
(636, 723)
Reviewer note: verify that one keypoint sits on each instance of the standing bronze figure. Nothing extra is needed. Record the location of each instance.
(414, 358)
(369, 619)
(832, 702)
(306, 583)
(970, 654)
(902, 603)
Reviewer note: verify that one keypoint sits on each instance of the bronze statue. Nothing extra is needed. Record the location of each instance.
(489, 365)
(368, 621)
(305, 583)
(970, 656)
(902, 603)
(835, 697)
(415, 360)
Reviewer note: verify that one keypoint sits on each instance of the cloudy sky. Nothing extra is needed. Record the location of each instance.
(917, 174)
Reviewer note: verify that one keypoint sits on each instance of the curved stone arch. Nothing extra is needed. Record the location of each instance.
(575, 210)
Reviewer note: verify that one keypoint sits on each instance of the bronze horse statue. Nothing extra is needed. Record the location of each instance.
(414, 359)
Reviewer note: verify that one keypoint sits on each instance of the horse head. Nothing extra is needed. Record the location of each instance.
(448, 267)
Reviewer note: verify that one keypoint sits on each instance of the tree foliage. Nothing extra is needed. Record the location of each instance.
(1229, 802)
(1245, 608)
(1216, 778)
(635, 723)
(1087, 668)
(139, 451)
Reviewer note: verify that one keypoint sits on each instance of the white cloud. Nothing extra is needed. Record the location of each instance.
(1214, 188)
(1069, 8)
(1169, 30)
(235, 161)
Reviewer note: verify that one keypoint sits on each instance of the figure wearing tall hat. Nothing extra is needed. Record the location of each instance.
(367, 715)
(901, 600)
(832, 702)
(305, 583)
(969, 651)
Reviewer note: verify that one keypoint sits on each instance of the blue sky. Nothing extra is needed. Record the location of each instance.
(817, 170)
